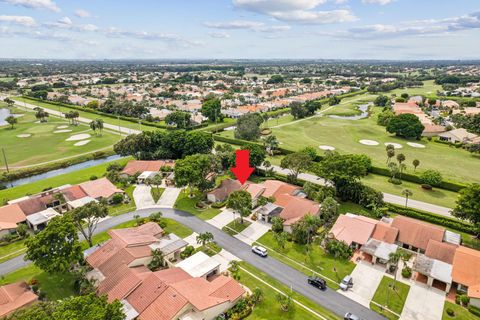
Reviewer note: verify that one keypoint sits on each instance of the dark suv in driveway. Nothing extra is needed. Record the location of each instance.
(317, 282)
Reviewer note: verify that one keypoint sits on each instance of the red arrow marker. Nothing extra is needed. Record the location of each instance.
(242, 161)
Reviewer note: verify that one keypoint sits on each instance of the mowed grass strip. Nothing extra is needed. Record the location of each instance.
(185, 203)
(392, 295)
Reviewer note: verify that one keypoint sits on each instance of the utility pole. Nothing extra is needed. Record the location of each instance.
(5, 159)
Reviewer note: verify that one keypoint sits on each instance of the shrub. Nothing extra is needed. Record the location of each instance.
(395, 181)
(117, 198)
(474, 310)
(450, 312)
(462, 299)
(432, 177)
(426, 186)
(406, 272)
(218, 205)
(94, 177)
(189, 250)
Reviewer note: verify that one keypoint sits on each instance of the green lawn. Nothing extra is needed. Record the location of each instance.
(12, 250)
(392, 299)
(349, 106)
(43, 145)
(345, 134)
(156, 193)
(429, 88)
(88, 115)
(55, 286)
(185, 203)
(68, 178)
(436, 196)
(117, 209)
(235, 227)
(269, 308)
(317, 259)
(461, 313)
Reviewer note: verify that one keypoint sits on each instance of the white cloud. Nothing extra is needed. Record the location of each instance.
(173, 39)
(246, 25)
(296, 11)
(380, 2)
(83, 13)
(35, 4)
(25, 21)
(67, 23)
(220, 35)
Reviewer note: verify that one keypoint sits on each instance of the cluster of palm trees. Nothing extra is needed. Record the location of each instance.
(41, 114)
(97, 124)
(72, 117)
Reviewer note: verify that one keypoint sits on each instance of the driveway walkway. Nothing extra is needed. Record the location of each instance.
(224, 257)
(222, 219)
(192, 240)
(390, 198)
(366, 279)
(253, 232)
(143, 197)
(168, 198)
(423, 303)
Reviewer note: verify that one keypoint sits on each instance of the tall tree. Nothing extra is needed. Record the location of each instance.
(205, 238)
(241, 202)
(406, 125)
(297, 163)
(407, 193)
(468, 205)
(248, 127)
(415, 164)
(271, 144)
(179, 118)
(211, 109)
(194, 171)
(56, 248)
(11, 120)
(86, 218)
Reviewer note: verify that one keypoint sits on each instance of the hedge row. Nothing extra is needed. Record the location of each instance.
(456, 145)
(447, 222)
(25, 173)
(447, 185)
(113, 116)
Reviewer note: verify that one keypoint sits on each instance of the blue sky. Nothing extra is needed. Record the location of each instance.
(303, 29)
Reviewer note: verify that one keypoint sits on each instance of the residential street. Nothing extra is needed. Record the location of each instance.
(390, 198)
(329, 299)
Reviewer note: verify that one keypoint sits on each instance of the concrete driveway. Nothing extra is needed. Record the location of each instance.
(423, 303)
(253, 232)
(168, 198)
(224, 257)
(366, 279)
(143, 197)
(222, 219)
(192, 240)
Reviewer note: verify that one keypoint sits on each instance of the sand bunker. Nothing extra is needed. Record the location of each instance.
(369, 142)
(62, 131)
(78, 137)
(62, 127)
(327, 148)
(416, 145)
(395, 145)
(81, 143)
(24, 135)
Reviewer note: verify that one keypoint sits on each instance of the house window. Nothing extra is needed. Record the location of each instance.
(462, 288)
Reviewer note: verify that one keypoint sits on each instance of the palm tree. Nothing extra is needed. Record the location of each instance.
(99, 125)
(390, 154)
(407, 193)
(93, 126)
(271, 143)
(281, 238)
(285, 301)
(400, 158)
(311, 223)
(393, 169)
(234, 269)
(204, 238)
(415, 163)
(393, 259)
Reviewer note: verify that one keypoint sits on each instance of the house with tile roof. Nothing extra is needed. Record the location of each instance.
(15, 296)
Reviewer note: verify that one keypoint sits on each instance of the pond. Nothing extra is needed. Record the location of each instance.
(364, 113)
(4, 113)
(57, 172)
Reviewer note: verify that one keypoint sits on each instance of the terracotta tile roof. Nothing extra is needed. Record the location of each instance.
(416, 233)
(466, 266)
(274, 188)
(295, 208)
(139, 166)
(225, 188)
(12, 213)
(385, 232)
(74, 193)
(32, 205)
(353, 229)
(103, 253)
(255, 189)
(165, 307)
(122, 282)
(155, 285)
(143, 235)
(474, 291)
(100, 188)
(15, 296)
(442, 251)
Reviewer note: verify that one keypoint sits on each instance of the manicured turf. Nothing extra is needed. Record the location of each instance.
(269, 307)
(429, 88)
(460, 312)
(68, 178)
(317, 259)
(177, 228)
(117, 209)
(55, 286)
(436, 196)
(12, 250)
(345, 134)
(44, 145)
(387, 296)
(156, 193)
(185, 203)
(235, 227)
(88, 115)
